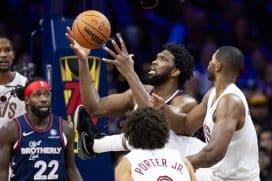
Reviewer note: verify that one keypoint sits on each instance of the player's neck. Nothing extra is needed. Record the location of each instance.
(221, 83)
(166, 90)
(6, 77)
(37, 122)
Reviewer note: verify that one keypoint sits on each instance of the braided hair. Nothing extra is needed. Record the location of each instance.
(183, 60)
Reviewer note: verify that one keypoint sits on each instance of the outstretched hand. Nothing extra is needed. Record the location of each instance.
(122, 59)
(81, 52)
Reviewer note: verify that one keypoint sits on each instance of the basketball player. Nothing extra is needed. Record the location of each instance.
(232, 149)
(150, 159)
(10, 105)
(172, 67)
(37, 145)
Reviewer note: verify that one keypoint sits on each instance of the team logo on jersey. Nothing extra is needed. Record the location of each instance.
(35, 149)
(53, 134)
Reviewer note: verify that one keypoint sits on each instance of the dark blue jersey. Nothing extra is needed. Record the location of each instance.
(39, 154)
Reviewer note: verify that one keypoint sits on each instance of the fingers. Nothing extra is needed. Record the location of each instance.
(109, 51)
(156, 96)
(69, 30)
(107, 60)
(122, 43)
(69, 35)
(116, 47)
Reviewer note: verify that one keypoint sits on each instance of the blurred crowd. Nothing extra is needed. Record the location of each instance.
(201, 25)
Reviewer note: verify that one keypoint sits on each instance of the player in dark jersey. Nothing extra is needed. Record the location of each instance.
(37, 145)
(172, 67)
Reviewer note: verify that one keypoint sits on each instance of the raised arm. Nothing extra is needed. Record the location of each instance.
(228, 118)
(96, 106)
(124, 63)
(8, 137)
(70, 165)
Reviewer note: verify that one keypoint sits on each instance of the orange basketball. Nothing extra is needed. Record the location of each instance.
(91, 29)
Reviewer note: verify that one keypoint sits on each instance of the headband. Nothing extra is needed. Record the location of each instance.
(36, 85)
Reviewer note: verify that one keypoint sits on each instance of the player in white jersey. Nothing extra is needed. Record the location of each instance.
(171, 68)
(10, 105)
(232, 148)
(147, 131)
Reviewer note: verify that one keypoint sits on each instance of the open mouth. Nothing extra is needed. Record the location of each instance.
(152, 72)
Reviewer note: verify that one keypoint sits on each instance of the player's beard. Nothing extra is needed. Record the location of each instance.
(39, 113)
(157, 79)
(5, 68)
(211, 75)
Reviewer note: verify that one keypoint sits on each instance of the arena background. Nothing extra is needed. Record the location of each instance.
(37, 28)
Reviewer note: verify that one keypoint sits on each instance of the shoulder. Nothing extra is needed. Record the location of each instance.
(124, 164)
(185, 102)
(9, 130)
(184, 98)
(230, 101)
(123, 170)
(21, 79)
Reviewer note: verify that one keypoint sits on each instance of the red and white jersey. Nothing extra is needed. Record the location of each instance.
(158, 164)
(13, 106)
(241, 159)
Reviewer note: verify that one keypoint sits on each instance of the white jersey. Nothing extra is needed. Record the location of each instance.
(158, 164)
(186, 145)
(13, 106)
(241, 159)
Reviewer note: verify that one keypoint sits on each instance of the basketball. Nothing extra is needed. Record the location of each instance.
(91, 29)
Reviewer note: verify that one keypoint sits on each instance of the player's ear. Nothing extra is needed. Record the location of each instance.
(175, 72)
(218, 66)
(27, 100)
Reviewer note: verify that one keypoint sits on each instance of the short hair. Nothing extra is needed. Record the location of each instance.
(7, 37)
(183, 60)
(231, 57)
(146, 128)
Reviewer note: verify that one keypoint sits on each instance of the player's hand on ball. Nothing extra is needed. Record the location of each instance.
(122, 59)
(81, 52)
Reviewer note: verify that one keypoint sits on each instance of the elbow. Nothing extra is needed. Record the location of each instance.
(213, 158)
(91, 108)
